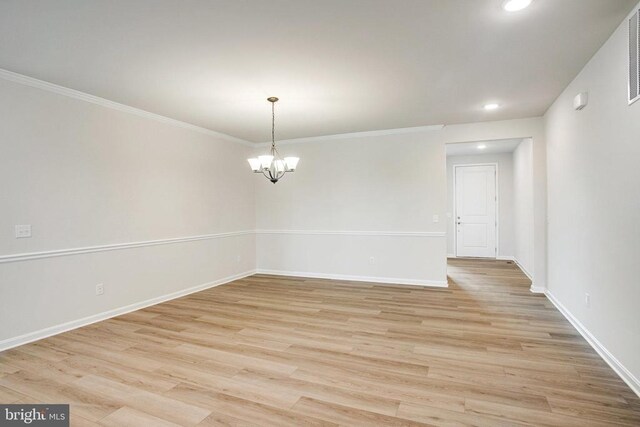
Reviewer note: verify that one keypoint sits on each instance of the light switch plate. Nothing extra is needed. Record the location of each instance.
(23, 231)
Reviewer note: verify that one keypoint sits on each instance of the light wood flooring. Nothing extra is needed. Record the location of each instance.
(275, 351)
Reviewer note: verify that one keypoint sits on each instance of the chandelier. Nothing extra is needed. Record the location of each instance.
(271, 165)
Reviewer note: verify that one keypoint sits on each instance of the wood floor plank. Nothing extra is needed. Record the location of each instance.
(287, 351)
(442, 417)
(41, 389)
(346, 415)
(129, 417)
(228, 409)
(151, 403)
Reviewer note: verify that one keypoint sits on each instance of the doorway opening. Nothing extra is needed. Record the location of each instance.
(490, 201)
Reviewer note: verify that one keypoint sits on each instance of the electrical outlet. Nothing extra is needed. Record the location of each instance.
(372, 260)
(436, 218)
(23, 231)
(238, 259)
(99, 289)
(587, 299)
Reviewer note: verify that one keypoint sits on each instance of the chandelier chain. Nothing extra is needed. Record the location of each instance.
(273, 124)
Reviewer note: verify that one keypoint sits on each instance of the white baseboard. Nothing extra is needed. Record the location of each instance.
(524, 270)
(386, 280)
(618, 367)
(499, 257)
(74, 324)
(534, 289)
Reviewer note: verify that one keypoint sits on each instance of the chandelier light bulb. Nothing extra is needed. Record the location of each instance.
(255, 164)
(291, 162)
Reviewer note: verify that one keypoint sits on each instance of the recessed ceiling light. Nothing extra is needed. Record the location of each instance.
(491, 106)
(481, 146)
(515, 5)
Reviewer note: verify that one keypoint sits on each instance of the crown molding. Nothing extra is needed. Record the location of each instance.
(382, 132)
(76, 94)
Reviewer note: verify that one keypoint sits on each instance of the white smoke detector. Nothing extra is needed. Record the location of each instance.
(580, 101)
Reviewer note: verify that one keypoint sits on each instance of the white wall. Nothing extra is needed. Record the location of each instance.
(523, 208)
(353, 199)
(506, 244)
(594, 205)
(360, 197)
(84, 175)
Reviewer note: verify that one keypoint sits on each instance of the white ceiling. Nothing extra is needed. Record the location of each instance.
(491, 147)
(337, 65)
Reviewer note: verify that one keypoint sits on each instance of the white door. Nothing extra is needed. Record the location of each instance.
(475, 192)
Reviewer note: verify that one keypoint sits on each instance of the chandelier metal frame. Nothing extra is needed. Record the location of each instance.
(272, 165)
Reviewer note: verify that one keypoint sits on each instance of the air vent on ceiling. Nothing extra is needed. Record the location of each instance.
(634, 57)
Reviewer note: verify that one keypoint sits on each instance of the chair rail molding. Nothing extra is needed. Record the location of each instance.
(357, 233)
(116, 246)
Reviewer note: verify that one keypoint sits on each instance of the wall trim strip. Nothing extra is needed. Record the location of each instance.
(357, 233)
(116, 246)
(386, 280)
(76, 94)
(611, 360)
(74, 324)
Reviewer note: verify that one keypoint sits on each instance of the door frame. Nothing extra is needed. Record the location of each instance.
(455, 208)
